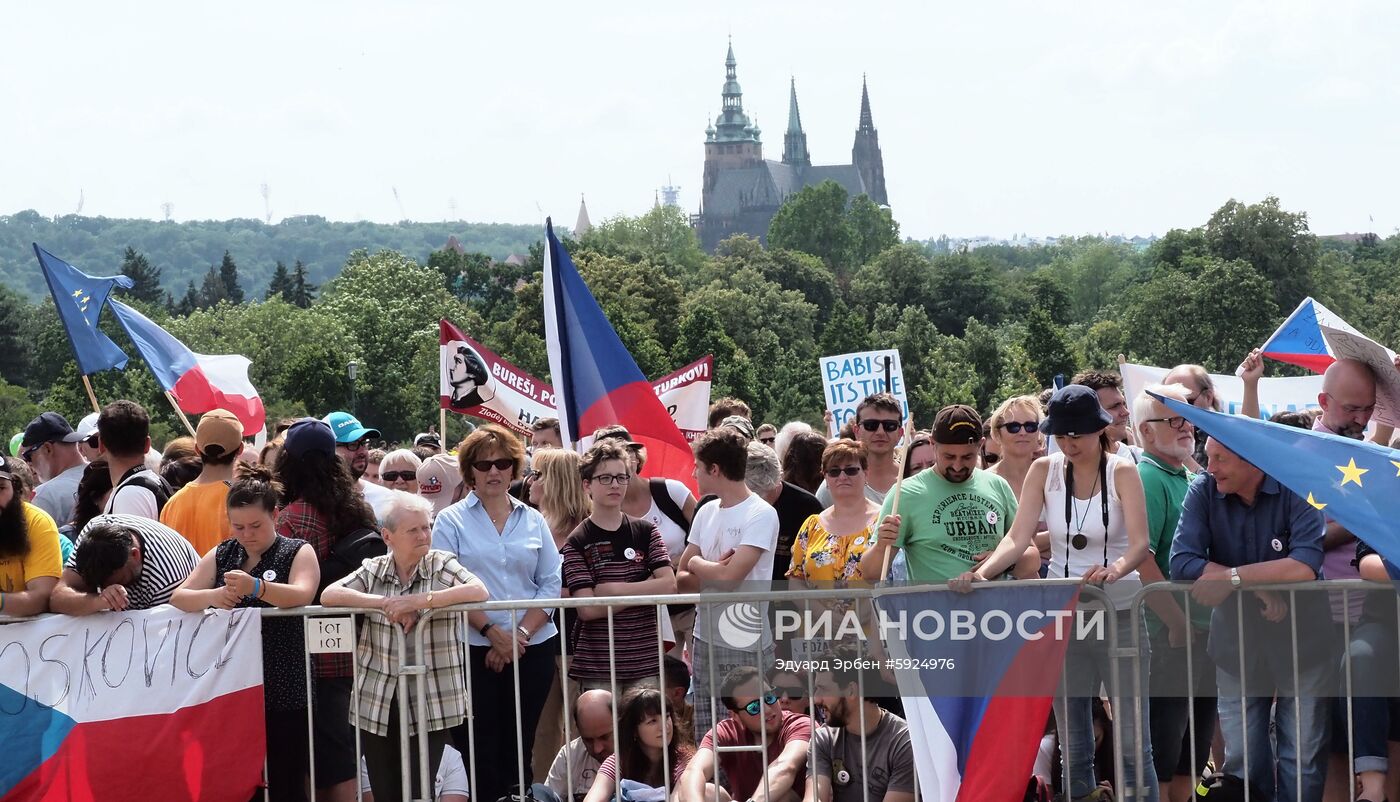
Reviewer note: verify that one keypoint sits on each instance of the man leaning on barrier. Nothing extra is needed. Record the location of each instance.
(1240, 528)
(123, 562)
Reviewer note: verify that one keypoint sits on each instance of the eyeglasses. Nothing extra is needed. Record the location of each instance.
(753, 707)
(1177, 423)
(610, 479)
(872, 425)
(28, 453)
(358, 445)
(990, 459)
(791, 693)
(91, 442)
(849, 470)
(1016, 427)
(1352, 409)
(531, 473)
(485, 465)
(398, 476)
(768, 441)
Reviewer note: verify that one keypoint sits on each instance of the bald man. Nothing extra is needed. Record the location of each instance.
(578, 761)
(1348, 399)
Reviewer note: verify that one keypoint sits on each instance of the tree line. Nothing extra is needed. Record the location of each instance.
(971, 327)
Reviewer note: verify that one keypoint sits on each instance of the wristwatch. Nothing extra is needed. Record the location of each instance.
(429, 600)
(1235, 580)
(486, 627)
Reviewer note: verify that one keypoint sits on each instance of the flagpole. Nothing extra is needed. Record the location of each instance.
(87, 385)
(442, 428)
(180, 412)
(894, 507)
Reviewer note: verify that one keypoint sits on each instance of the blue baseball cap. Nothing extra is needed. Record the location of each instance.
(307, 435)
(347, 428)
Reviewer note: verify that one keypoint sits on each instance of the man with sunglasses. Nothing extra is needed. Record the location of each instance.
(948, 515)
(352, 445)
(878, 421)
(754, 718)
(50, 446)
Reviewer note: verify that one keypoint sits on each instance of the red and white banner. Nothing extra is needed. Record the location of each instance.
(475, 381)
(129, 707)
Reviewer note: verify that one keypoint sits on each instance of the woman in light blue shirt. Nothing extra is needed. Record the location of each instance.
(508, 546)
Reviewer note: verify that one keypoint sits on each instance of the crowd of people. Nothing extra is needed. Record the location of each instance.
(602, 699)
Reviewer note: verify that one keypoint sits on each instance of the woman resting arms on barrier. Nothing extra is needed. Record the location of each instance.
(259, 568)
(409, 579)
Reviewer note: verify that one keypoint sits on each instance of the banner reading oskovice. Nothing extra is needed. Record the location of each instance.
(1275, 395)
(849, 378)
(134, 706)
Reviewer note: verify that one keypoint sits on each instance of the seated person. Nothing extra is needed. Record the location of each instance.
(839, 762)
(653, 749)
(754, 714)
(578, 760)
(123, 562)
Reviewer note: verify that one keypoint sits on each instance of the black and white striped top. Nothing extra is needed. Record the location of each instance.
(166, 559)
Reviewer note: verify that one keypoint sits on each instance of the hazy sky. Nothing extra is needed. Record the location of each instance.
(994, 117)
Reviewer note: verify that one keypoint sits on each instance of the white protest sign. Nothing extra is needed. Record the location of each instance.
(686, 395)
(474, 381)
(847, 379)
(331, 635)
(1275, 395)
(1381, 360)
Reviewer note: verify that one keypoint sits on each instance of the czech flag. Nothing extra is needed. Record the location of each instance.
(132, 707)
(596, 381)
(199, 382)
(978, 704)
(1299, 340)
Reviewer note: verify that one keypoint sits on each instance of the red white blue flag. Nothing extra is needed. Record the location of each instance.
(1300, 341)
(132, 707)
(596, 381)
(199, 382)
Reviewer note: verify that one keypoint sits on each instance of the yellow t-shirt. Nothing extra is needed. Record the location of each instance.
(44, 558)
(198, 513)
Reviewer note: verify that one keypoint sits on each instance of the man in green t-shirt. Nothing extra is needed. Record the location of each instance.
(949, 515)
(1168, 441)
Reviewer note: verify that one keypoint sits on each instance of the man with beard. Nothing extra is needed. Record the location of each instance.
(755, 719)
(1168, 441)
(352, 445)
(877, 424)
(862, 748)
(50, 446)
(29, 552)
(948, 516)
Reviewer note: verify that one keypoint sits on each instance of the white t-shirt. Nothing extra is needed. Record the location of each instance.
(671, 532)
(133, 499)
(451, 775)
(572, 760)
(716, 530)
(58, 495)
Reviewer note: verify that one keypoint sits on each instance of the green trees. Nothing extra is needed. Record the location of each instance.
(818, 221)
(228, 276)
(146, 277)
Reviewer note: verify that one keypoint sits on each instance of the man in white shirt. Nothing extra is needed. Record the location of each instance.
(578, 760)
(732, 541)
(50, 446)
(124, 435)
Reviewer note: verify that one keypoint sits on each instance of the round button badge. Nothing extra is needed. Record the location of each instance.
(1277, 544)
(630, 553)
(269, 575)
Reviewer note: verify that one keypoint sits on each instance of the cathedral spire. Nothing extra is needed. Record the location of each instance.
(583, 225)
(866, 152)
(795, 140)
(733, 124)
(867, 123)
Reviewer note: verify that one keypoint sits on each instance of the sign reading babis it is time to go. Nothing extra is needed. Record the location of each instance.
(474, 381)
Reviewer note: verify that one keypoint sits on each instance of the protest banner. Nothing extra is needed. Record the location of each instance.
(1381, 360)
(686, 395)
(847, 379)
(474, 381)
(132, 706)
(1288, 394)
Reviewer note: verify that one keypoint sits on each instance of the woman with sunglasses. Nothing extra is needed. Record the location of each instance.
(1092, 502)
(399, 470)
(1015, 428)
(509, 547)
(829, 546)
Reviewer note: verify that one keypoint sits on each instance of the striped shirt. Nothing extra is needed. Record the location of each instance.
(166, 559)
(593, 555)
(378, 651)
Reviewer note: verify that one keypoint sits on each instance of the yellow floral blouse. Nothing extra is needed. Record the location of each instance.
(819, 555)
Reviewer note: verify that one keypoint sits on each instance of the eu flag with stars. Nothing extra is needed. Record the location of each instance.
(1355, 483)
(80, 298)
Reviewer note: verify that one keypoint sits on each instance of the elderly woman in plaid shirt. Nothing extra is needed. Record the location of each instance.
(402, 584)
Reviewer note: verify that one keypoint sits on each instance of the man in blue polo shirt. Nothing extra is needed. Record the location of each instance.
(1240, 528)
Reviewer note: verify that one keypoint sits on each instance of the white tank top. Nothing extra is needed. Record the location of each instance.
(1101, 546)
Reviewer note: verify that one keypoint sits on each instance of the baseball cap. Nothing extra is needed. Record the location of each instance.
(438, 479)
(740, 424)
(347, 428)
(307, 435)
(957, 425)
(219, 427)
(49, 427)
(427, 439)
(87, 427)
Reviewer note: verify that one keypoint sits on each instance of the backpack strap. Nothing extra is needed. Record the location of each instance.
(158, 487)
(661, 495)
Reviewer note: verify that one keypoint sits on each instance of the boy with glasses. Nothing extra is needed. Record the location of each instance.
(614, 554)
(754, 719)
(878, 421)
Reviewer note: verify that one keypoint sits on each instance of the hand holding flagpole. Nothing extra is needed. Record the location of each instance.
(894, 505)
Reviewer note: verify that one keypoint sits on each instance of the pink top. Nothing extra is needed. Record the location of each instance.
(609, 769)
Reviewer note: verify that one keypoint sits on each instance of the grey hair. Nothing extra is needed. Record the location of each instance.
(764, 472)
(785, 435)
(401, 504)
(1142, 405)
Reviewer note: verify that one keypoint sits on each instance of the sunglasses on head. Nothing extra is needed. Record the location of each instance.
(872, 425)
(1016, 427)
(398, 476)
(502, 464)
(753, 707)
(849, 470)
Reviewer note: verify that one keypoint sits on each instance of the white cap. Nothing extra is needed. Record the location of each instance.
(87, 427)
